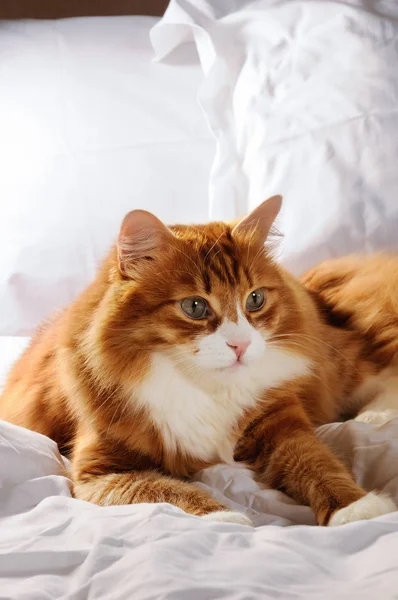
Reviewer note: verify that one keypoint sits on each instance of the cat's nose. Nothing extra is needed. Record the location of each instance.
(239, 347)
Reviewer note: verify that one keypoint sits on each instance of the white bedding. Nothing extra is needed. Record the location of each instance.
(52, 546)
(302, 97)
(90, 128)
(11, 347)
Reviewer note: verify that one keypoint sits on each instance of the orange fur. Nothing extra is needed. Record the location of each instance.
(79, 381)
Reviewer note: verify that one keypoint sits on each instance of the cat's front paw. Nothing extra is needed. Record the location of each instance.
(228, 516)
(370, 506)
(377, 417)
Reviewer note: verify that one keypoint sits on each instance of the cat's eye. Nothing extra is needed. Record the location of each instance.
(195, 307)
(255, 300)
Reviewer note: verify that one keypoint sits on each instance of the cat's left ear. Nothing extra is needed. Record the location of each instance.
(260, 219)
(142, 238)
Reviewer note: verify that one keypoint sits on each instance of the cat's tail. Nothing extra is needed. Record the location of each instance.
(361, 293)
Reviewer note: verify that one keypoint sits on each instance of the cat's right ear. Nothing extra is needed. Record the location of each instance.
(142, 237)
(260, 219)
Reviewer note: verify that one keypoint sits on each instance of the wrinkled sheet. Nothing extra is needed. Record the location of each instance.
(53, 546)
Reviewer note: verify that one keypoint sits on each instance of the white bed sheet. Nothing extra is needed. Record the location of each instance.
(53, 546)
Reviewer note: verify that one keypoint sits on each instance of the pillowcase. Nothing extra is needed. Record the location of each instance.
(302, 97)
(90, 128)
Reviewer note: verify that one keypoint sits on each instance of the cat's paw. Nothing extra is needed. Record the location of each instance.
(370, 506)
(228, 516)
(377, 417)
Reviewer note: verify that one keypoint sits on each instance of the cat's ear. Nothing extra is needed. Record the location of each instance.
(142, 236)
(260, 219)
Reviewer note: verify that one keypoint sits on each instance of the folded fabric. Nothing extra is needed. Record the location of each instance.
(302, 97)
(53, 546)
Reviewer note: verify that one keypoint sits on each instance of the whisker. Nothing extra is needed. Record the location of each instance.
(189, 258)
(173, 271)
(216, 242)
(313, 373)
(318, 340)
(251, 238)
(260, 250)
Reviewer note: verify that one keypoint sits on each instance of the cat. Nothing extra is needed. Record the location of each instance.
(193, 347)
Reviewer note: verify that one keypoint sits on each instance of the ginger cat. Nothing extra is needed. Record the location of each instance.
(192, 347)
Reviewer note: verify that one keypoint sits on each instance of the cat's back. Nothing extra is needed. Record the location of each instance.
(361, 293)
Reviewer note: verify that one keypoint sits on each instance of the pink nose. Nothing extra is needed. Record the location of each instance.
(239, 347)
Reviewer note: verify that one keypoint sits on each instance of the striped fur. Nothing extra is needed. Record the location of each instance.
(132, 389)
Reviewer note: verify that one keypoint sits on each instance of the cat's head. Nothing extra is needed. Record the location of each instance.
(209, 297)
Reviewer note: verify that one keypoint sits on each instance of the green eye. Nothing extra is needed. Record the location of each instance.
(195, 308)
(255, 300)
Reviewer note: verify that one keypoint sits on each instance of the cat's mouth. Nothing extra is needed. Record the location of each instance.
(233, 367)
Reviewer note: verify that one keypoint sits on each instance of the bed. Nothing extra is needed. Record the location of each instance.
(196, 115)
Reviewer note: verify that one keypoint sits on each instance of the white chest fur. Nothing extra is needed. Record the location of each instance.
(201, 423)
(188, 417)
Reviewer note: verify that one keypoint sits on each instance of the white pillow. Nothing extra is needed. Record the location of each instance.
(90, 128)
(303, 99)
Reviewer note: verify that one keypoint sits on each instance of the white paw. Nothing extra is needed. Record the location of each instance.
(377, 417)
(228, 516)
(370, 506)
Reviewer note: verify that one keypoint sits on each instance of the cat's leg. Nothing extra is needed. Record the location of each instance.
(384, 406)
(96, 477)
(287, 455)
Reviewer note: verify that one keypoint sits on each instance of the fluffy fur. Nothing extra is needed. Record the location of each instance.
(142, 396)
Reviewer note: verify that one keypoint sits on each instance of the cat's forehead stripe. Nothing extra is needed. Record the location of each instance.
(220, 258)
(206, 281)
(248, 276)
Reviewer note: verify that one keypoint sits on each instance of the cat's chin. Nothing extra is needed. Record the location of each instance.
(232, 368)
(236, 373)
